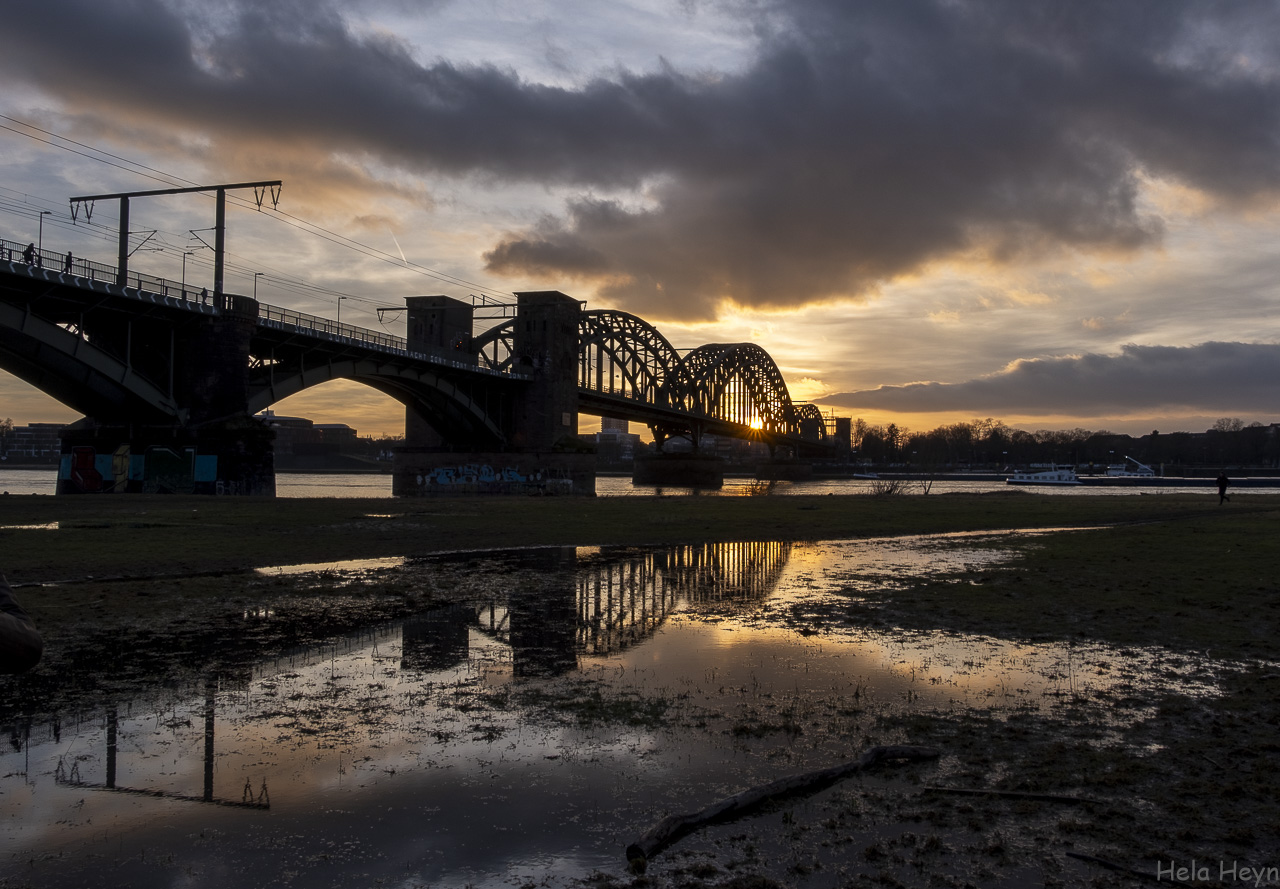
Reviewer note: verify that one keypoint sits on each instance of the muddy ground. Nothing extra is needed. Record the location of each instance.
(1148, 779)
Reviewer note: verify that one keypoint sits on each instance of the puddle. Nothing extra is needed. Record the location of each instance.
(348, 568)
(524, 732)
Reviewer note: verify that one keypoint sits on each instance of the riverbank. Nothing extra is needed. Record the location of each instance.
(48, 539)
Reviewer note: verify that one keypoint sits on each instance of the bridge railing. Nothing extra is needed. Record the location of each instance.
(15, 251)
(316, 324)
(51, 260)
(386, 342)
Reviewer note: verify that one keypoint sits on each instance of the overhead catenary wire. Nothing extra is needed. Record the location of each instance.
(99, 155)
(104, 233)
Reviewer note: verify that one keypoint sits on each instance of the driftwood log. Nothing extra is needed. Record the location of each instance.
(673, 827)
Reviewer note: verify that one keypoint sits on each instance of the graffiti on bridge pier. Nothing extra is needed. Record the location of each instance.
(482, 478)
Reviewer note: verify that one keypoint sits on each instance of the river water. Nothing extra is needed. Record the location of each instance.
(43, 481)
(529, 716)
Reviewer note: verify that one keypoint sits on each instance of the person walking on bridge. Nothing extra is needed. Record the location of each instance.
(29, 255)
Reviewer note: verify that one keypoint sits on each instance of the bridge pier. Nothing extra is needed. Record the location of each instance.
(427, 472)
(539, 453)
(220, 449)
(234, 457)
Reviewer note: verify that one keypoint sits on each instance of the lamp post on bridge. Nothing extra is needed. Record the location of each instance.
(256, 276)
(40, 237)
(185, 254)
(340, 299)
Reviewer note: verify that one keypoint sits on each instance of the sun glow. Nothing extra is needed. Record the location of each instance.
(756, 423)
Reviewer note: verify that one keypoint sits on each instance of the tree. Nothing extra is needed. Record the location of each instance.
(894, 436)
(860, 428)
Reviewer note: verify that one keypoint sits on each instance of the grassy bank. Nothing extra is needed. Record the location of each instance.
(1205, 583)
(148, 535)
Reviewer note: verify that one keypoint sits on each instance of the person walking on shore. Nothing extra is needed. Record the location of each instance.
(1223, 481)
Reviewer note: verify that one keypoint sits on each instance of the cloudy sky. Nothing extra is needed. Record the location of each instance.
(1053, 214)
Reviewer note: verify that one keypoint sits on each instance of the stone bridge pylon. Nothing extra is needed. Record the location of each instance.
(531, 444)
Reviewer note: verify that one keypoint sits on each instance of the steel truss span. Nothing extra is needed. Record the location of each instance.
(736, 385)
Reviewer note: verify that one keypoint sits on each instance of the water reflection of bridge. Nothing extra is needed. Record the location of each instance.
(249, 798)
(551, 607)
(593, 602)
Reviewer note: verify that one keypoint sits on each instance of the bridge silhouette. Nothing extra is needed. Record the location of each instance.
(168, 380)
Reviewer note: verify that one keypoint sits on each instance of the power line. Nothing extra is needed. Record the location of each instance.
(91, 157)
(98, 150)
(286, 218)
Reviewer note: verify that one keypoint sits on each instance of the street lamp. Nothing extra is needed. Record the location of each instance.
(256, 276)
(185, 254)
(40, 238)
(340, 299)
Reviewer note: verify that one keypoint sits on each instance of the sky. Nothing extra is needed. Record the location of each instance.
(1057, 215)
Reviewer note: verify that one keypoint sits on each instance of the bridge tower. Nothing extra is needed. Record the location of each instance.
(538, 452)
(439, 326)
(546, 345)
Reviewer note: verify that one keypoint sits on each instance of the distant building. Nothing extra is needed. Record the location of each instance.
(294, 435)
(614, 445)
(338, 436)
(300, 437)
(34, 443)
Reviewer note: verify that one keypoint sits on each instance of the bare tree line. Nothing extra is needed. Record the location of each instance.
(991, 443)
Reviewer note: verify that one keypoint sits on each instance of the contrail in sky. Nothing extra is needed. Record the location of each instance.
(398, 247)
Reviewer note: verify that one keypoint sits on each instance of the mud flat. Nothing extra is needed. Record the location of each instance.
(1106, 670)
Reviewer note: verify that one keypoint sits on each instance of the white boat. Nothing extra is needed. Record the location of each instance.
(1122, 470)
(1055, 476)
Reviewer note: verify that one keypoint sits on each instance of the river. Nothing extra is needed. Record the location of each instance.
(42, 480)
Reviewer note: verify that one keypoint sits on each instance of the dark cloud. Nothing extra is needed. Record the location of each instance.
(1210, 379)
(861, 141)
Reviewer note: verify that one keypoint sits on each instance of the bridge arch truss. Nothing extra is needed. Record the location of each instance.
(628, 369)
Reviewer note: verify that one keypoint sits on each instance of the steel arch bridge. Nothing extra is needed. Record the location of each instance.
(627, 369)
(152, 353)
